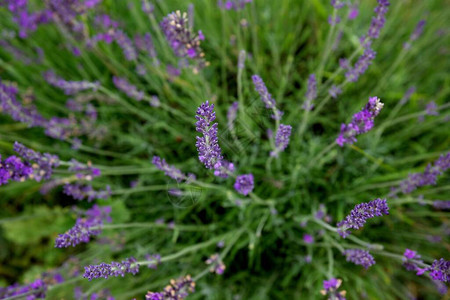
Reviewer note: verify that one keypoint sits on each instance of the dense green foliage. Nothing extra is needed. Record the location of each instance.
(264, 252)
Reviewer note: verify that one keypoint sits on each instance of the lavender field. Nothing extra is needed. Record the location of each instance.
(231, 149)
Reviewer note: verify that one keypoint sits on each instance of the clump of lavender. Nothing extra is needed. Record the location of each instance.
(10, 106)
(266, 97)
(361, 122)
(217, 266)
(416, 34)
(115, 269)
(177, 290)
(184, 42)
(70, 87)
(130, 90)
(281, 139)
(359, 215)
(428, 177)
(233, 4)
(244, 184)
(440, 270)
(85, 227)
(359, 257)
(330, 289)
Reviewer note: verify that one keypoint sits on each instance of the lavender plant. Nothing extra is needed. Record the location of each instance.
(189, 150)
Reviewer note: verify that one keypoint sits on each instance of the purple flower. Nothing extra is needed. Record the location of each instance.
(311, 93)
(82, 231)
(359, 215)
(145, 43)
(244, 184)
(353, 12)
(361, 122)
(266, 97)
(115, 269)
(407, 95)
(308, 239)
(359, 257)
(441, 204)
(168, 170)
(379, 19)
(217, 266)
(431, 109)
(80, 192)
(36, 289)
(410, 259)
(69, 87)
(42, 164)
(334, 91)
(440, 270)
(281, 139)
(154, 259)
(428, 177)
(126, 44)
(337, 4)
(330, 288)
(232, 4)
(416, 34)
(209, 152)
(184, 42)
(9, 105)
(361, 65)
(130, 90)
(177, 289)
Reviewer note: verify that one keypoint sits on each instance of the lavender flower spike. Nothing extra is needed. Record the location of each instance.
(281, 139)
(169, 170)
(177, 290)
(359, 215)
(244, 184)
(440, 270)
(266, 97)
(416, 34)
(209, 152)
(359, 257)
(330, 288)
(311, 92)
(130, 90)
(184, 42)
(428, 177)
(115, 269)
(69, 87)
(361, 122)
(9, 105)
(82, 231)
